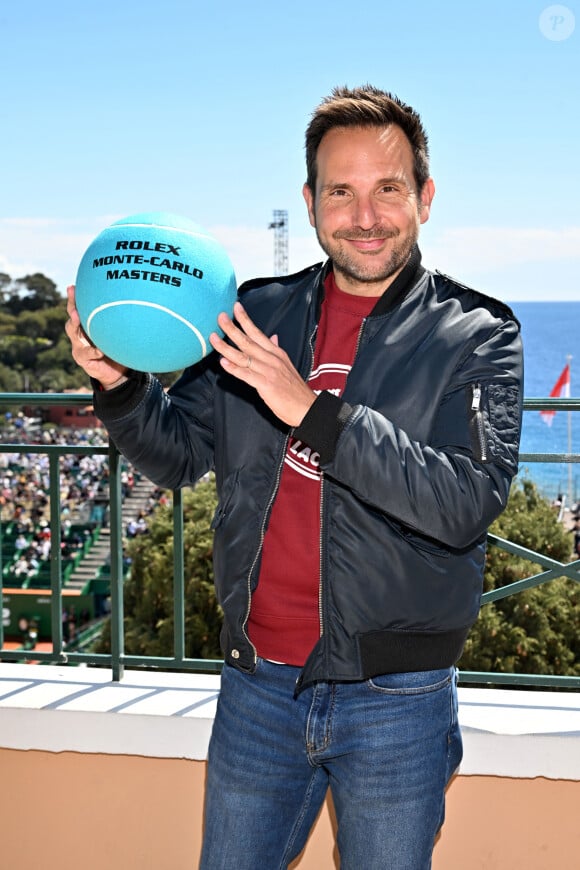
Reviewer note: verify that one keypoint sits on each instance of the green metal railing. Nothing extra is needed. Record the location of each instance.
(117, 660)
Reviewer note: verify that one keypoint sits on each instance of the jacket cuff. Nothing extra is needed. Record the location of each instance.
(323, 423)
(123, 398)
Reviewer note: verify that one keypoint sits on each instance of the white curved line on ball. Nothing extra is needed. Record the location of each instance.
(189, 232)
(189, 325)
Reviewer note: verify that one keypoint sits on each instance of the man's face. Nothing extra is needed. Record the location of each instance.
(366, 209)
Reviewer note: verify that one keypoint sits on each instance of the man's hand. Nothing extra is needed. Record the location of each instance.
(260, 362)
(110, 374)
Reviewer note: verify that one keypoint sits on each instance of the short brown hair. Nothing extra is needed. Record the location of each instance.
(366, 106)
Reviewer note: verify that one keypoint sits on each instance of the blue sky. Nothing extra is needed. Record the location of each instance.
(198, 108)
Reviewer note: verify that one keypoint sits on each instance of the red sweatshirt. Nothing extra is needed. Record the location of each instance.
(284, 622)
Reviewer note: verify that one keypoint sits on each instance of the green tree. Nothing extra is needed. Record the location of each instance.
(33, 293)
(32, 338)
(19, 351)
(45, 324)
(535, 631)
(33, 343)
(7, 323)
(10, 380)
(148, 598)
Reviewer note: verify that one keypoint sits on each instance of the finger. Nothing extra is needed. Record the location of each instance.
(232, 330)
(247, 337)
(73, 327)
(232, 354)
(76, 333)
(239, 347)
(71, 305)
(249, 327)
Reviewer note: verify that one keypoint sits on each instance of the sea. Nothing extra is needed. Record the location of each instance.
(550, 333)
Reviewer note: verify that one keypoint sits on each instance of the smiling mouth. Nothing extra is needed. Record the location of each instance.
(369, 245)
(366, 241)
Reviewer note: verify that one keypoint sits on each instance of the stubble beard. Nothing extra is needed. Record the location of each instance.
(368, 269)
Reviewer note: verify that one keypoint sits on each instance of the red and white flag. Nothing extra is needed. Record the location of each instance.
(561, 390)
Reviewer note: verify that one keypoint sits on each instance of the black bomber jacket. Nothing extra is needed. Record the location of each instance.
(417, 457)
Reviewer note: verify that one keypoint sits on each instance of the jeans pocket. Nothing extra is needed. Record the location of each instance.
(411, 683)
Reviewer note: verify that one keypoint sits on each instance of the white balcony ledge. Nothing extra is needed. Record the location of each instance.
(511, 733)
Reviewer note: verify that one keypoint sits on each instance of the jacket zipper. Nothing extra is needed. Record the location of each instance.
(358, 341)
(260, 545)
(478, 417)
(267, 513)
(320, 585)
(320, 616)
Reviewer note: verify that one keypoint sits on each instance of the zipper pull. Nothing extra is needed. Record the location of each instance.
(476, 401)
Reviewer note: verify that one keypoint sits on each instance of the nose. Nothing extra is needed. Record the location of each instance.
(365, 215)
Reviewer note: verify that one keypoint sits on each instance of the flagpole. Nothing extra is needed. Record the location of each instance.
(569, 360)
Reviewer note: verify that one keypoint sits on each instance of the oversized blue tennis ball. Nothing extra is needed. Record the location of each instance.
(149, 289)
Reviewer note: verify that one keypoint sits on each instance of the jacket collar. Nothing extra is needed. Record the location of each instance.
(395, 292)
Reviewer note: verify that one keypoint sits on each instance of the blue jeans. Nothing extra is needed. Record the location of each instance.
(386, 747)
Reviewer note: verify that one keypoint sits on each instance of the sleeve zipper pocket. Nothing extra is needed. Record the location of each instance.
(478, 422)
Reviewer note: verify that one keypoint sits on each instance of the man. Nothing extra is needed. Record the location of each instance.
(363, 419)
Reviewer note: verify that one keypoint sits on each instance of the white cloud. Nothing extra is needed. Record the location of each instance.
(513, 263)
(55, 246)
(251, 250)
(487, 249)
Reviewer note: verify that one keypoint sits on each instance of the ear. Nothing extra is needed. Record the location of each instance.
(426, 198)
(309, 200)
